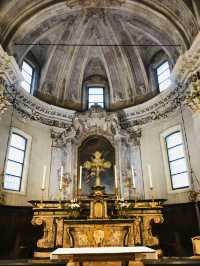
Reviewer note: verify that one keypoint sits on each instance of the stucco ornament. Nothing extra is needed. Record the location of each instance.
(94, 3)
(193, 100)
(96, 120)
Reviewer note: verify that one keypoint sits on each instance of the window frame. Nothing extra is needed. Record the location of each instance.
(33, 77)
(166, 162)
(95, 87)
(25, 169)
(156, 75)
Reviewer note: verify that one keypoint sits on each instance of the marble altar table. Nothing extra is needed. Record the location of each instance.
(104, 255)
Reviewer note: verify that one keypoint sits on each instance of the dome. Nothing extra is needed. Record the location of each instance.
(110, 43)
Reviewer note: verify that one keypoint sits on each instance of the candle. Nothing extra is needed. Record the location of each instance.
(150, 176)
(44, 177)
(133, 176)
(80, 177)
(61, 177)
(115, 170)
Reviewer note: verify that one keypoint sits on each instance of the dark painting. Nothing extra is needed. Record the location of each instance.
(86, 151)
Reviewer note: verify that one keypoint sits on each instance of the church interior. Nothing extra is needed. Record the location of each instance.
(99, 132)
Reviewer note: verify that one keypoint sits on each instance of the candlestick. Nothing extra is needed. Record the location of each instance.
(152, 194)
(115, 170)
(44, 177)
(150, 176)
(80, 177)
(61, 177)
(133, 177)
(135, 195)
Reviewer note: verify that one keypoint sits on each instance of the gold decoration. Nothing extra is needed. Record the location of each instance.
(97, 165)
(63, 230)
(47, 240)
(98, 234)
(148, 238)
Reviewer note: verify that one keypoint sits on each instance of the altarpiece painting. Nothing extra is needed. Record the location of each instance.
(85, 153)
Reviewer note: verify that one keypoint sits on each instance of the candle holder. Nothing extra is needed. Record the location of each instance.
(42, 197)
(152, 194)
(135, 194)
(79, 193)
(60, 198)
(117, 193)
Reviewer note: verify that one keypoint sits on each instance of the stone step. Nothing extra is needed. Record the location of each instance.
(31, 263)
(172, 261)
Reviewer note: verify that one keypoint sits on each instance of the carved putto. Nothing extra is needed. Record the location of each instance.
(94, 121)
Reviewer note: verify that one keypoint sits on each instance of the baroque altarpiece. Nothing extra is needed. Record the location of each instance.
(96, 200)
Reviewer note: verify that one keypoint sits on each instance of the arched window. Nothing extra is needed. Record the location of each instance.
(28, 72)
(175, 159)
(16, 161)
(159, 70)
(30, 68)
(96, 96)
(163, 76)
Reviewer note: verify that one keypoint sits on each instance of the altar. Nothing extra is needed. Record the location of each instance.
(67, 227)
(108, 256)
(103, 203)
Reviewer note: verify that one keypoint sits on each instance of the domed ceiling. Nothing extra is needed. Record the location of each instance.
(110, 42)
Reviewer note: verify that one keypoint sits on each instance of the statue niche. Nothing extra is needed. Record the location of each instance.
(85, 153)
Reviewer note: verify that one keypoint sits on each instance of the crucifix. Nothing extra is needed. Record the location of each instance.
(97, 165)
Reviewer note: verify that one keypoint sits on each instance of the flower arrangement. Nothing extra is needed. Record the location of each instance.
(74, 205)
(122, 205)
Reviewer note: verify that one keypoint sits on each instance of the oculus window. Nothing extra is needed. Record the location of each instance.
(163, 76)
(96, 96)
(15, 162)
(28, 74)
(176, 160)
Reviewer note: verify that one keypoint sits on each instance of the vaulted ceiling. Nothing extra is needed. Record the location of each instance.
(102, 24)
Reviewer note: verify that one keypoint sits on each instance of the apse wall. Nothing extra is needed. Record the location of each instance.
(152, 153)
(40, 155)
(151, 150)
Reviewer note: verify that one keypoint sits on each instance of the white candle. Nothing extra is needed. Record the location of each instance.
(133, 176)
(44, 177)
(150, 176)
(115, 170)
(61, 177)
(80, 177)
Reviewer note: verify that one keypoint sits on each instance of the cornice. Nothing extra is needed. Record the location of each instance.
(185, 72)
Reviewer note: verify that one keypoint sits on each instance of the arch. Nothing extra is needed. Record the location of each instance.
(85, 151)
(95, 76)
